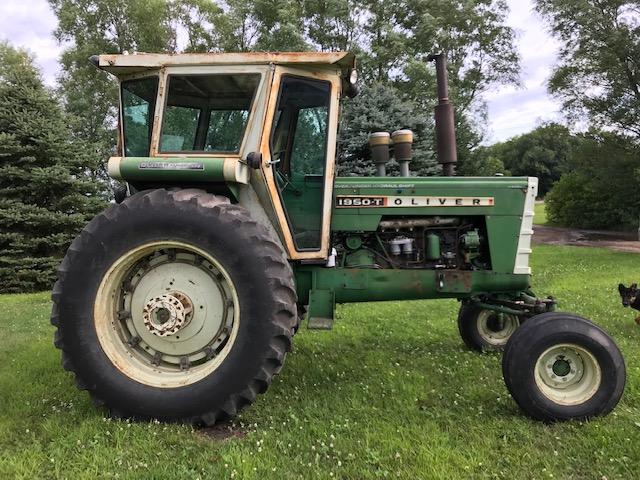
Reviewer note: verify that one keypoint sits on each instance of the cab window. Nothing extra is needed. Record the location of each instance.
(138, 106)
(207, 113)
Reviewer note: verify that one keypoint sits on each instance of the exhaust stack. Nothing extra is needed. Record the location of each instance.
(445, 126)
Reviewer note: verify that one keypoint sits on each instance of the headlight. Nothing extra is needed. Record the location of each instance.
(353, 77)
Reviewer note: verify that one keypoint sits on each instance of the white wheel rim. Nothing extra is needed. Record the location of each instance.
(495, 328)
(192, 293)
(568, 374)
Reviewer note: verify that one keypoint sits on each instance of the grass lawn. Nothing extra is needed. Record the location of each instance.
(540, 217)
(390, 392)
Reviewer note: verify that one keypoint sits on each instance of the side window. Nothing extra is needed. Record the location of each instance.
(138, 105)
(207, 113)
(310, 141)
(299, 139)
(299, 151)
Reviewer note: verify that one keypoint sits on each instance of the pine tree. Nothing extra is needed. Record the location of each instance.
(46, 190)
(381, 107)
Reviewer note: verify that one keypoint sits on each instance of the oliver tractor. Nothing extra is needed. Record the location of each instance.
(180, 301)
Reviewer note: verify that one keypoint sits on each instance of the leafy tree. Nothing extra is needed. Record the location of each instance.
(238, 28)
(203, 21)
(117, 26)
(478, 42)
(110, 26)
(395, 38)
(482, 162)
(599, 70)
(385, 38)
(602, 189)
(480, 52)
(280, 25)
(541, 153)
(46, 190)
(334, 25)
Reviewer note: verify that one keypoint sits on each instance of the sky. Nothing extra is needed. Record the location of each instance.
(512, 110)
(516, 110)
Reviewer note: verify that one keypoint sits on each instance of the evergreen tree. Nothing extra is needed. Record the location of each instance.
(46, 190)
(381, 107)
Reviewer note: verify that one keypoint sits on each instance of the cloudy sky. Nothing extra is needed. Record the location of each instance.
(30, 23)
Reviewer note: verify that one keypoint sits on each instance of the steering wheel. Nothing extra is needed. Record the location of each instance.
(282, 179)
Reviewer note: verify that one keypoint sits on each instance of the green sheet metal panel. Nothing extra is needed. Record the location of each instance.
(370, 285)
(508, 195)
(172, 169)
(321, 309)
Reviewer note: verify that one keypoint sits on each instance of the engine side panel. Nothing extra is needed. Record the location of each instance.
(457, 208)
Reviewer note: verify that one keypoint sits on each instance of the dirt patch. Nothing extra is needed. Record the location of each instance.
(221, 432)
(620, 241)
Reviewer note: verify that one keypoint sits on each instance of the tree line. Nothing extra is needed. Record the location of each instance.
(53, 144)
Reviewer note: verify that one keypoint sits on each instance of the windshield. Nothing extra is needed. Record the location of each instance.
(207, 113)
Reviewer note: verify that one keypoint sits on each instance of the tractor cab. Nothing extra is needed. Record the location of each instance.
(226, 121)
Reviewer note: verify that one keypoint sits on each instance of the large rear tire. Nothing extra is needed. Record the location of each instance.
(559, 366)
(174, 305)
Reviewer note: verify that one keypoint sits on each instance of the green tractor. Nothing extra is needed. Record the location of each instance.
(179, 302)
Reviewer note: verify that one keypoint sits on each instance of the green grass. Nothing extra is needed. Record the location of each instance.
(390, 392)
(540, 217)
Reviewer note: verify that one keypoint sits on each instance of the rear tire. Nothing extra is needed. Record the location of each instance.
(483, 329)
(559, 366)
(119, 319)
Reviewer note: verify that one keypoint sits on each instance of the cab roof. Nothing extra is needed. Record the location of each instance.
(125, 64)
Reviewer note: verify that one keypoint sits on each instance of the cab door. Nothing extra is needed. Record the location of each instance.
(301, 128)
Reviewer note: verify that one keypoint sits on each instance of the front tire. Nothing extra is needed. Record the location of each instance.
(482, 329)
(174, 305)
(559, 366)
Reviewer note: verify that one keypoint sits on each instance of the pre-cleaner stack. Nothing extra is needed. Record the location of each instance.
(380, 143)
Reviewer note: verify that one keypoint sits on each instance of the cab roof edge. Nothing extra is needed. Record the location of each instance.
(128, 63)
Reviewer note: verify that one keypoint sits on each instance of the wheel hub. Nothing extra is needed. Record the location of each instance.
(563, 368)
(174, 315)
(567, 374)
(166, 314)
(495, 328)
